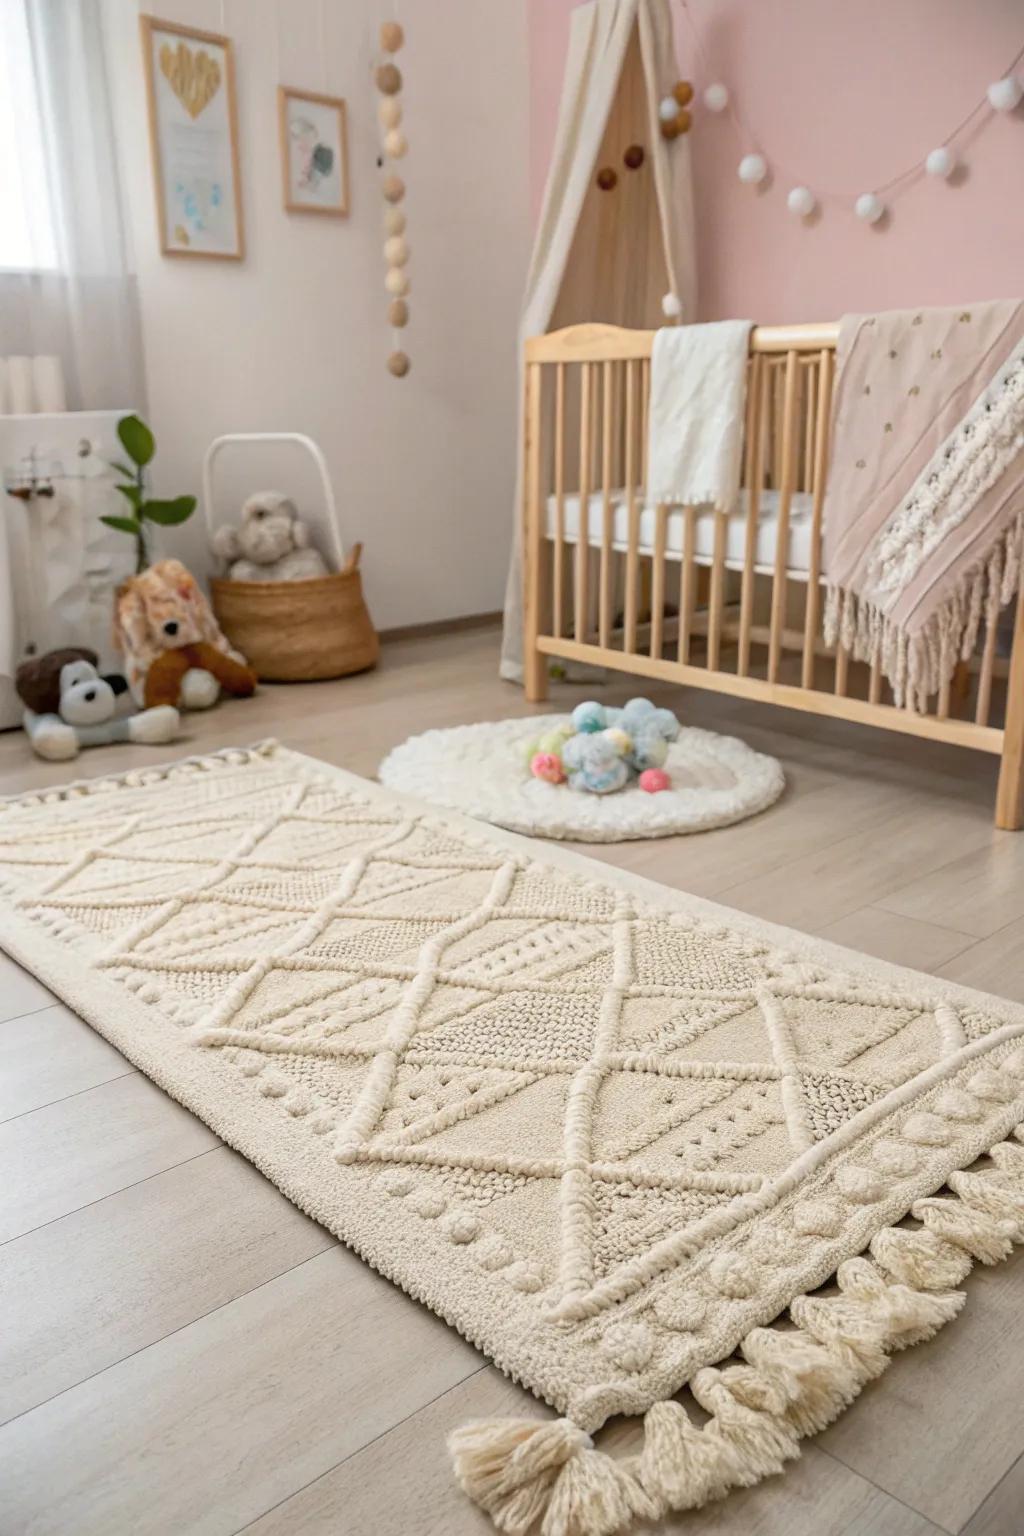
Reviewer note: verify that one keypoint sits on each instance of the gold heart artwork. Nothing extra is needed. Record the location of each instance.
(193, 77)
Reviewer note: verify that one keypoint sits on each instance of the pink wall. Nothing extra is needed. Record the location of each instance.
(842, 94)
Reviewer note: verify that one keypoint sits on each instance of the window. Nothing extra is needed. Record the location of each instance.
(27, 232)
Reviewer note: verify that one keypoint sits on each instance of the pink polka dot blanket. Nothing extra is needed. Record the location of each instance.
(640, 1150)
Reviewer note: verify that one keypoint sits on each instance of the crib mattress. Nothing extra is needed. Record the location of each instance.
(798, 553)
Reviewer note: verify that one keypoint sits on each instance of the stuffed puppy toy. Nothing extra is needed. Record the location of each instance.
(173, 647)
(272, 543)
(68, 706)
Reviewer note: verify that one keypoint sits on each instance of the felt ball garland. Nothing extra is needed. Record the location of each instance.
(871, 207)
(393, 146)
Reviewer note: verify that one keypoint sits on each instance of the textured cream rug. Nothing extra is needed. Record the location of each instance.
(607, 1131)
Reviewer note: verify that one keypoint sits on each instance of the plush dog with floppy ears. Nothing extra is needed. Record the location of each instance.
(68, 706)
(173, 647)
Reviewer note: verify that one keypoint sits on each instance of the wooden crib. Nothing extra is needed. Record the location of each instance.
(728, 602)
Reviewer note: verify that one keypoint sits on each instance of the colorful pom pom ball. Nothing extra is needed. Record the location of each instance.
(547, 766)
(620, 740)
(554, 741)
(588, 717)
(654, 780)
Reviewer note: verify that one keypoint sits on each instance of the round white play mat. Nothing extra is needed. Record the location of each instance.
(480, 771)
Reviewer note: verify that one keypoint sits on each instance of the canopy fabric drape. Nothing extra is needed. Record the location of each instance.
(621, 62)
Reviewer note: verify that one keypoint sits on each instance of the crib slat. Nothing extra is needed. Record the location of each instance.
(658, 580)
(821, 435)
(785, 470)
(753, 476)
(633, 512)
(558, 575)
(842, 671)
(810, 422)
(582, 551)
(875, 685)
(988, 656)
(645, 400)
(604, 610)
(687, 583)
(717, 590)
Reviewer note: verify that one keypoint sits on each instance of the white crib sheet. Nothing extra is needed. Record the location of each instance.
(798, 555)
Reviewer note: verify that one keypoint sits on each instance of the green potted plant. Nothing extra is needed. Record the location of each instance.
(139, 444)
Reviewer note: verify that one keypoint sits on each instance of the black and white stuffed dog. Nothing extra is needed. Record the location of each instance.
(68, 706)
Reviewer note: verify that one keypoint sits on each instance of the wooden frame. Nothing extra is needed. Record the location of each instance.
(150, 27)
(757, 625)
(285, 94)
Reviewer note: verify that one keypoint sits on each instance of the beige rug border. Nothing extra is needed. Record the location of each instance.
(284, 1154)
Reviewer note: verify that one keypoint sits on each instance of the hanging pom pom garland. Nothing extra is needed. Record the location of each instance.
(941, 162)
(752, 169)
(1002, 96)
(672, 110)
(394, 146)
(802, 202)
(869, 207)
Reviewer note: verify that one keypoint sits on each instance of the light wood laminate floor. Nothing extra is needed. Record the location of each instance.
(184, 1352)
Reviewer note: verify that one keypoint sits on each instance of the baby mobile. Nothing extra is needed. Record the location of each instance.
(1003, 95)
(393, 147)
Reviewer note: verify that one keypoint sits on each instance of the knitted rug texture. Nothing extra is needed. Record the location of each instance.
(607, 1131)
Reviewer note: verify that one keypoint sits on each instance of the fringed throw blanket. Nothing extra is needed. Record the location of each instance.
(924, 510)
(607, 1131)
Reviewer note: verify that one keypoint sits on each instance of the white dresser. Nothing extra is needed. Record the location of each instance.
(59, 564)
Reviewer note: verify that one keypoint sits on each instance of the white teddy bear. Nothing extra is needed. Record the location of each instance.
(271, 543)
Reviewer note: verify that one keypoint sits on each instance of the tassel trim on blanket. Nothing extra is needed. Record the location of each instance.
(546, 1478)
(918, 666)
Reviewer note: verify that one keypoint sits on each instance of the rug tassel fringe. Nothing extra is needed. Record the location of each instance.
(545, 1478)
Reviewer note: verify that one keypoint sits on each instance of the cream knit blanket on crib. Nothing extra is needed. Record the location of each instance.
(924, 509)
(695, 432)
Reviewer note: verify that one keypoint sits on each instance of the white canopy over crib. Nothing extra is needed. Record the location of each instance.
(608, 255)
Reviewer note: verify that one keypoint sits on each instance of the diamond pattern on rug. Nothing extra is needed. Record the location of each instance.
(581, 1074)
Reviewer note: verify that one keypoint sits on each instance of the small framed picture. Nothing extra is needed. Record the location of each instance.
(314, 152)
(193, 134)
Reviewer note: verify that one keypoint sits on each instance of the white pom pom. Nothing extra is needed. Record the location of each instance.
(396, 251)
(395, 144)
(1003, 95)
(396, 283)
(940, 162)
(671, 307)
(802, 202)
(869, 207)
(716, 98)
(752, 169)
(668, 109)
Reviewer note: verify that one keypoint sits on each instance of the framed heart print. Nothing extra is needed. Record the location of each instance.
(193, 134)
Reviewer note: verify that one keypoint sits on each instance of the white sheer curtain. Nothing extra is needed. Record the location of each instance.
(65, 281)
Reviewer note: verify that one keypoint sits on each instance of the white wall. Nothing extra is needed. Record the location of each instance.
(295, 337)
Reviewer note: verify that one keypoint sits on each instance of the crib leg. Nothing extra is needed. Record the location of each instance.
(1010, 794)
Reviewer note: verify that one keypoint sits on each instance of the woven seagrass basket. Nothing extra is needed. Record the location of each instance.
(299, 631)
